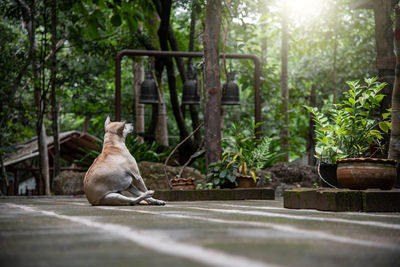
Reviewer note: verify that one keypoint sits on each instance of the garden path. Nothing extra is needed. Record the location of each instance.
(62, 231)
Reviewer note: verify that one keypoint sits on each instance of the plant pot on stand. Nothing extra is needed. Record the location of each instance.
(364, 173)
(246, 181)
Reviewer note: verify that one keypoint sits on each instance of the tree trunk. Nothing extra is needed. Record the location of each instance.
(394, 149)
(212, 116)
(54, 106)
(334, 70)
(151, 129)
(86, 123)
(335, 47)
(164, 9)
(44, 159)
(194, 113)
(28, 14)
(264, 46)
(138, 108)
(284, 132)
(311, 128)
(161, 128)
(385, 59)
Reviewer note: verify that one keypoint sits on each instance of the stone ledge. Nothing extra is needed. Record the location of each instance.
(372, 200)
(216, 194)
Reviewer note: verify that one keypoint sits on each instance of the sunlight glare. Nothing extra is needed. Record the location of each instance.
(305, 9)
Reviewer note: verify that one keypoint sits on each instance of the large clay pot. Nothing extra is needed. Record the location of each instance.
(245, 181)
(363, 173)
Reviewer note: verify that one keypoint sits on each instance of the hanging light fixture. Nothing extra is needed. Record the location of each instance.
(148, 88)
(230, 90)
(190, 95)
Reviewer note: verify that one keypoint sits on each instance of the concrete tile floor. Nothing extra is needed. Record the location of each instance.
(70, 232)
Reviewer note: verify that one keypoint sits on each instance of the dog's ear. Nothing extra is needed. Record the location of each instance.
(108, 121)
(121, 127)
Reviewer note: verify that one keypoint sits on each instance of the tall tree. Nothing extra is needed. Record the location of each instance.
(161, 131)
(53, 95)
(29, 17)
(394, 149)
(165, 35)
(385, 59)
(284, 132)
(161, 128)
(138, 108)
(194, 114)
(212, 116)
(335, 48)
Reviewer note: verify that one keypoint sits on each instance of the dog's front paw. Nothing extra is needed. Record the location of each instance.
(161, 202)
(157, 202)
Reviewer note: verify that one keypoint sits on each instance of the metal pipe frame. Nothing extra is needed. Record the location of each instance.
(156, 53)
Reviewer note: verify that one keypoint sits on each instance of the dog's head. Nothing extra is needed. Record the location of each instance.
(120, 128)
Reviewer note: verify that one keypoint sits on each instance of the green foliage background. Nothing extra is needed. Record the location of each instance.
(95, 30)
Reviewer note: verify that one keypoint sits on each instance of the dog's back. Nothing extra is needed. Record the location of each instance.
(107, 174)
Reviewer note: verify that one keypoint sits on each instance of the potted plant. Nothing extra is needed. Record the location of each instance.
(347, 133)
(244, 155)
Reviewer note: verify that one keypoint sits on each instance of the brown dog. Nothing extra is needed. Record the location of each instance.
(115, 171)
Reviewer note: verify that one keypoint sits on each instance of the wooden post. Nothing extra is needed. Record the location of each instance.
(16, 193)
(212, 116)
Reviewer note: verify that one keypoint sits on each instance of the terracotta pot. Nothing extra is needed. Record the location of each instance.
(182, 183)
(245, 181)
(363, 173)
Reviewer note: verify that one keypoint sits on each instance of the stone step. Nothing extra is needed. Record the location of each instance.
(216, 194)
(371, 200)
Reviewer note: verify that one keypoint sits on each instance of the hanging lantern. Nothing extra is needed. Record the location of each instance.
(190, 95)
(230, 91)
(148, 88)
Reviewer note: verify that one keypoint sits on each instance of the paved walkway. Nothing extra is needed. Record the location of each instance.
(69, 232)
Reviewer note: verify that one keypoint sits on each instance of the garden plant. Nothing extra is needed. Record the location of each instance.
(353, 126)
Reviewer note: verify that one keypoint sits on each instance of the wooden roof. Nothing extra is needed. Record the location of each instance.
(72, 147)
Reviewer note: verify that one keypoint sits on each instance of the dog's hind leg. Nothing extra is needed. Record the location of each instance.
(152, 201)
(116, 199)
(134, 191)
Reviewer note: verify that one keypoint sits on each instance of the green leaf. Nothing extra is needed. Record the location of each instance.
(366, 105)
(384, 126)
(253, 174)
(385, 115)
(325, 140)
(349, 110)
(379, 98)
(231, 177)
(324, 129)
(222, 174)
